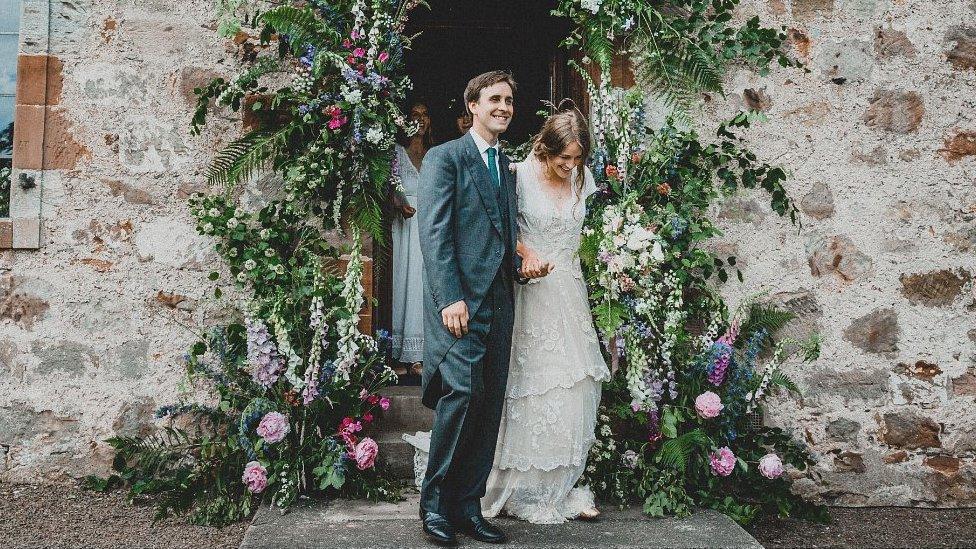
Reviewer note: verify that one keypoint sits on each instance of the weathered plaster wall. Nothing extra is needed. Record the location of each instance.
(878, 138)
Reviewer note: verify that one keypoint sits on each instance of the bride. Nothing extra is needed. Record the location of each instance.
(549, 417)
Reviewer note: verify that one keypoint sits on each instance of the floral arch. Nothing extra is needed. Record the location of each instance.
(295, 381)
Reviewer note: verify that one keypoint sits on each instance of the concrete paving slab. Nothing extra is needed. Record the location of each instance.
(352, 524)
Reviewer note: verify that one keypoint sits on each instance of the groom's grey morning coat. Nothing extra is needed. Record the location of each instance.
(463, 240)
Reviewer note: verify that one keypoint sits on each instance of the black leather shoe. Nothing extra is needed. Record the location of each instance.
(438, 529)
(480, 529)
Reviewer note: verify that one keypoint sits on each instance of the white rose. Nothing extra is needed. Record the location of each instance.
(250, 264)
(269, 253)
(213, 212)
(241, 277)
(208, 228)
(232, 223)
(265, 233)
(374, 135)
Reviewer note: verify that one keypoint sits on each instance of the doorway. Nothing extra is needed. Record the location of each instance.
(460, 39)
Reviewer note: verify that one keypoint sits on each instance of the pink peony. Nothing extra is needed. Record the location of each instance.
(255, 477)
(708, 405)
(385, 403)
(383, 57)
(723, 461)
(273, 427)
(365, 453)
(771, 466)
(337, 122)
(359, 52)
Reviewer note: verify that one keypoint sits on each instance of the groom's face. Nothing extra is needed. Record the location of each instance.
(494, 108)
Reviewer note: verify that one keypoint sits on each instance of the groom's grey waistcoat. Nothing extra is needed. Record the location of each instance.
(467, 232)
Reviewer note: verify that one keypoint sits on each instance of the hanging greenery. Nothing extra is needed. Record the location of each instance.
(293, 383)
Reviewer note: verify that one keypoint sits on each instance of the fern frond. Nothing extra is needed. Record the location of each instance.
(301, 25)
(247, 156)
(765, 316)
(675, 452)
(781, 379)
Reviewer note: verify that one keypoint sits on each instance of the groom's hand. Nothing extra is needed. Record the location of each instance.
(455, 318)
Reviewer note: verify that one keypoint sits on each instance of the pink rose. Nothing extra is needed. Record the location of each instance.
(273, 427)
(708, 405)
(771, 466)
(255, 477)
(359, 52)
(385, 403)
(365, 453)
(722, 461)
(383, 57)
(368, 417)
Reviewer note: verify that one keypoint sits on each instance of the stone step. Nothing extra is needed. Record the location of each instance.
(396, 455)
(352, 524)
(406, 414)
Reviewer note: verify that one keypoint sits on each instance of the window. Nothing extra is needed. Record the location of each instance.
(9, 40)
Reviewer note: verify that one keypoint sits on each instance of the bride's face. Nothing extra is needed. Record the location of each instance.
(562, 164)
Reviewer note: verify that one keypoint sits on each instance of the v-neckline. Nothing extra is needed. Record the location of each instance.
(406, 153)
(560, 207)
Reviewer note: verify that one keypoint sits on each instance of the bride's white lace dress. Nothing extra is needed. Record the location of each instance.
(554, 381)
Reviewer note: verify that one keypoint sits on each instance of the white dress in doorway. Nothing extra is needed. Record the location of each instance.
(408, 269)
(556, 372)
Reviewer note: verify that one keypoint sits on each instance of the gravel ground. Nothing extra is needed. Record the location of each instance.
(873, 527)
(68, 516)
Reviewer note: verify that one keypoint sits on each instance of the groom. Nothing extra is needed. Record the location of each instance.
(466, 210)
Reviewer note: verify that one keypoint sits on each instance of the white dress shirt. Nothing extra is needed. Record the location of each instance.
(483, 147)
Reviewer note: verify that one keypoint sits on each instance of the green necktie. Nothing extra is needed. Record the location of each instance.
(493, 166)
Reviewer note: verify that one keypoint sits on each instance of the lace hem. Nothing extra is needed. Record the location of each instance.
(408, 349)
(522, 385)
(524, 463)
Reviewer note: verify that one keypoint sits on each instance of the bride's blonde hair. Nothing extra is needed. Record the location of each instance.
(566, 126)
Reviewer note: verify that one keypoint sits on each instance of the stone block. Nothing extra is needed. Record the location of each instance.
(6, 234)
(39, 80)
(819, 202)
(875, 332)
(843, 430)
(741, 209)
(135, 418)
(964, 385)
(895, 111)
(26, 233)
(19, 304)
(907, 429)
(130, 194)
(837, 256)
(959, 146)
(191, 78)
(43, 139)
(947, 465)
(926, 371)
(64, 358)
(869, 385)
(889, 43)
(849, 462)
(132, 358)
(808, 10)
(934, 288)
(962, 56)
(20, 422)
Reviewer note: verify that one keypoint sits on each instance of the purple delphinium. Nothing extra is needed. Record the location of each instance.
(309, 56)
(266, 364)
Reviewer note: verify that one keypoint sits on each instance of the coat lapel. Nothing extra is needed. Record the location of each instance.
(482, 180)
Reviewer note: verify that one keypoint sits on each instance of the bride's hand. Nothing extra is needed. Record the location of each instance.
(533, 267)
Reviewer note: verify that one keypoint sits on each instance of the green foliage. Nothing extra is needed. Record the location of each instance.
(301, 25)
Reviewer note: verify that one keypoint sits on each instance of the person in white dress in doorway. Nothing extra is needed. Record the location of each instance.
(408, 263)
(556, 370)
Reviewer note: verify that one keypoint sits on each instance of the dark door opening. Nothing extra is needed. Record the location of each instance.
(460, 39)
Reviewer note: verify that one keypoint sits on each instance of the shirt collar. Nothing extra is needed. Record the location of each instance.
(481, 143)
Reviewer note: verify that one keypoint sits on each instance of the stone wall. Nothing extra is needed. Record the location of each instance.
(880, 142)
(879, 138)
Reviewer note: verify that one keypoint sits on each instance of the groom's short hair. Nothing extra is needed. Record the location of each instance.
(473, 90)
